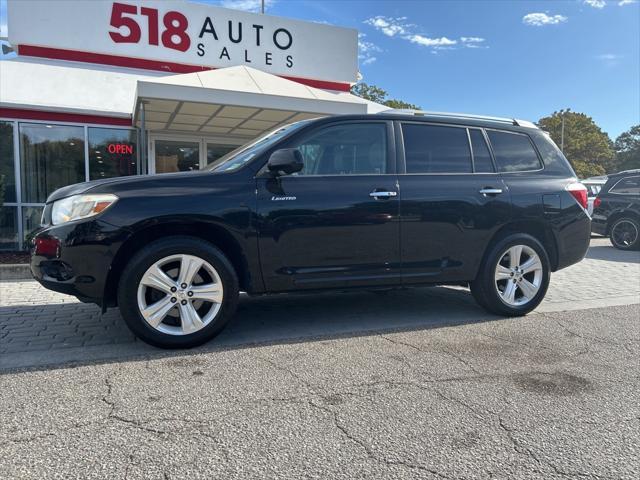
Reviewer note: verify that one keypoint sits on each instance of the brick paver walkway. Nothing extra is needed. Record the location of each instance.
(35, 319)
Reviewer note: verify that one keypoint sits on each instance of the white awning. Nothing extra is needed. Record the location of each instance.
(236, 101)
(69, 87)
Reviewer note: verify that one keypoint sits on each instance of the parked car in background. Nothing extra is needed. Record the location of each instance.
(616, 211)
(343, 202)
(594, 185)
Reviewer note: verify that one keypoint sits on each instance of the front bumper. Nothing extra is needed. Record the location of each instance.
(75, 258)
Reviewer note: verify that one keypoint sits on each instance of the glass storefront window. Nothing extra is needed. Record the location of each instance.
(214, 152)
(7, 170)
(51, 156)
(8, 228)
(31, 218)
(177, 156)
(112, 152)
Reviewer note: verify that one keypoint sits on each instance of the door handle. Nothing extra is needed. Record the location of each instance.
(383, 194)
(491, 191)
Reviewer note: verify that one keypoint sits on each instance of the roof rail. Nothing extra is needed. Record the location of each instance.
(424, 113)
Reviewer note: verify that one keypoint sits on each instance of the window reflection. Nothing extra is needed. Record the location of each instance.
(7, 170)
(51, 156)
(31, 219)
(8, 228)
(112, 152)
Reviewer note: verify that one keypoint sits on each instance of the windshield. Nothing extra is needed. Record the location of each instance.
(241, 155)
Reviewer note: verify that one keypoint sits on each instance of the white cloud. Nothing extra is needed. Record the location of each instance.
(541, 19)
(471, 39)
(609, 59)
(595, 3)
(366, 50)
(622, 3)
(473, 42)
(397, 27)
(390, 26)
(246, 5)
(608, 56)
(431, 42)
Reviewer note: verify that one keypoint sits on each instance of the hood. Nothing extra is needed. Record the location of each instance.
(109, 185)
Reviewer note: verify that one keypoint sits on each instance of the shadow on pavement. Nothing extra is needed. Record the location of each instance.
(611, 254)
(269, 320)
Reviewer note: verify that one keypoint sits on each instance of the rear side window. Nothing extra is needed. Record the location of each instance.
(436, 149)
(627, 186)
(554, 160)
(513, 152)
(481, 157)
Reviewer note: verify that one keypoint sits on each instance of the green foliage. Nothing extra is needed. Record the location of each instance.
(627, 148)
(588, 148)
(378, 95)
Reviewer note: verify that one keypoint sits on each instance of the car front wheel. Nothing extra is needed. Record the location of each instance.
(514, 276)
(625, 234)
(178, 292)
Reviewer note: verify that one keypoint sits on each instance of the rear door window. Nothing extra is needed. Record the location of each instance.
(627, 186)
(481, 156)
(436, 149)
(513, 152)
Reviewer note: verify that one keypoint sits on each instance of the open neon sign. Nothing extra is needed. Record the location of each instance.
(121, 148)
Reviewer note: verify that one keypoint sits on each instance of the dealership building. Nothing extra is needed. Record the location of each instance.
(104, 89)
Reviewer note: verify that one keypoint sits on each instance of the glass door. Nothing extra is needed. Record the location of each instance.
(169, 154)
(176, 155)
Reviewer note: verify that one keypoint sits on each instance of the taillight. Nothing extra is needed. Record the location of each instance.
(596, 202)
(579, 192)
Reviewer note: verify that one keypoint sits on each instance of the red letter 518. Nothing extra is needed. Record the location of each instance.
(175, 26)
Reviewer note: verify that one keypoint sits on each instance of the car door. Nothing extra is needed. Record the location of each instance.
(335, 224)
(452, 201)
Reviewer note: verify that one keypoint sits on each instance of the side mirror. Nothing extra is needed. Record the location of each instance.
(286, 160)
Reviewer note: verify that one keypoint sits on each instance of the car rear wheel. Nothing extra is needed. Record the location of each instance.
(625, 234)
(178, 292)
(514, 276)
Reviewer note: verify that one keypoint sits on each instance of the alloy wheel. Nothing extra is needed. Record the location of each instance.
(180, 294)
(624, 233)
(518, 275)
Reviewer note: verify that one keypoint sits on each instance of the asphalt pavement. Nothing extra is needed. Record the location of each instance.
(551, 395)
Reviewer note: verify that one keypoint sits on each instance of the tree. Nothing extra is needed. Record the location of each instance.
(627, 148)
(586, 146)
(378, 95)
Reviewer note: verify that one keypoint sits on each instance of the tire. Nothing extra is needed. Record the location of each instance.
(624, 234)
(211, 292)
(493, 294)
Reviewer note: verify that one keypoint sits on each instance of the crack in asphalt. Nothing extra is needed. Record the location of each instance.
(524, 450)
(462, 360)
(367, 449)
(586, 338)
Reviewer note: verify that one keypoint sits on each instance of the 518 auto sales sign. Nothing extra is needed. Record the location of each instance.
(182, 33)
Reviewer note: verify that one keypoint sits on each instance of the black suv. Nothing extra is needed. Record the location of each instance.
(616, 210)
(358, 201)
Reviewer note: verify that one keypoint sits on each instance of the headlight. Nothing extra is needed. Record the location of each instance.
(79, 207)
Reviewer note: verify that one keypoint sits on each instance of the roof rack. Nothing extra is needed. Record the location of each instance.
(424, 113)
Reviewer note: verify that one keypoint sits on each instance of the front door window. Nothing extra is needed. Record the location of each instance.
(176, 156)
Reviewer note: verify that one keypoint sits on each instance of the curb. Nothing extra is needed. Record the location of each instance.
(17, 271)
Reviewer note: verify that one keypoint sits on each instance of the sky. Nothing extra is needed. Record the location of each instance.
(512, 58)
